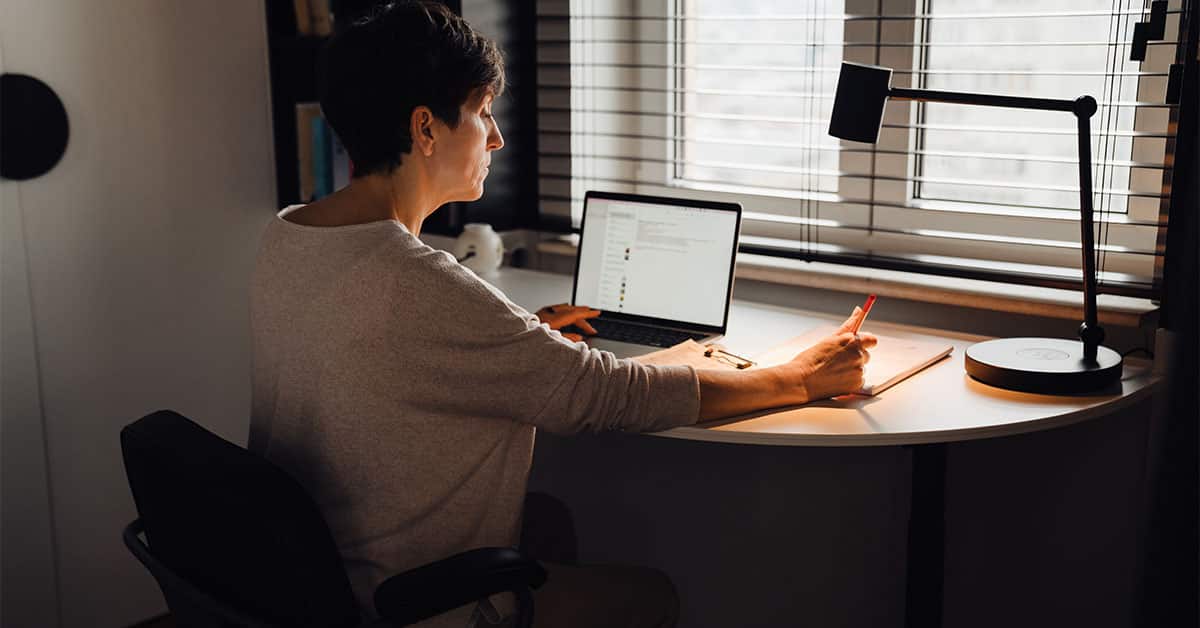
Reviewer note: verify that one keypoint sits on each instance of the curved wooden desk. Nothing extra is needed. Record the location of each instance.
(938, 405)
(942, 404)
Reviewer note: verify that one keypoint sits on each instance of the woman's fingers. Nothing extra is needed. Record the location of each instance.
(848, 326)
(576, 315)
(834, 366)
(563, 314)
(579, 318)
(860, 345)
(573, 337)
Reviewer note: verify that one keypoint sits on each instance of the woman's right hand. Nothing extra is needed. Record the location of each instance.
(835, 365)
(565, 315)
(831, 367)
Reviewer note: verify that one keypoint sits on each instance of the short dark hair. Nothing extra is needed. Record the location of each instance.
(375, 72)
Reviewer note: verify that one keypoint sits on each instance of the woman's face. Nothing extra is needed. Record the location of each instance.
(462, 155)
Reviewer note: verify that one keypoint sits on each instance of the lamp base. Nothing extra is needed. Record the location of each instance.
(1042, 365)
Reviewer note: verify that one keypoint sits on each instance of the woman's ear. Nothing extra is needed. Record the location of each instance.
(421, 129)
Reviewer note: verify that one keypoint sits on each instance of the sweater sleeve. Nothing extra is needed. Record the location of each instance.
(485, 356)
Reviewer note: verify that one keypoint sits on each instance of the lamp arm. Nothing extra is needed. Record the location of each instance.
(987, 100)
(1083, 107)
(1090, 331)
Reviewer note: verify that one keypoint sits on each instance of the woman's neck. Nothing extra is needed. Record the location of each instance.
(401, 196)
(404, 195)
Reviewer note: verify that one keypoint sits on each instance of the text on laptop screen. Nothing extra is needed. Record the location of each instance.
(664, 261)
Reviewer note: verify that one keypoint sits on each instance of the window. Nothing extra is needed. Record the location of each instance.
(712, 100)
(756, 96)
(1014, 157)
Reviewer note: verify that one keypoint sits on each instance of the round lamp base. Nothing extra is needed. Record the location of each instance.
(1042, 365)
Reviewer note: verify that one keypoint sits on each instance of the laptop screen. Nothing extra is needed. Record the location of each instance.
(659, 260)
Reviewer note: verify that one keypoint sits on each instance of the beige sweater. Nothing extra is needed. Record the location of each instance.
(404, 393)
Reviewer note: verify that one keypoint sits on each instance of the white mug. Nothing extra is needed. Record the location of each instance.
(479, 248)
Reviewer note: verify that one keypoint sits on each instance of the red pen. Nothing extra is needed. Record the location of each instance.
(866, 310)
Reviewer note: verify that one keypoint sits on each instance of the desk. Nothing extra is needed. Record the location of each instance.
(905, 415)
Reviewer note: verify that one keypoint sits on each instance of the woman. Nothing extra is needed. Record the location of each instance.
(403, 392)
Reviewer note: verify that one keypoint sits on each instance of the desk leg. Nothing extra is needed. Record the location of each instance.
(926, 537)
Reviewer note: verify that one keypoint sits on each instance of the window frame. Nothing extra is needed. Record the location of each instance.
(895, 210)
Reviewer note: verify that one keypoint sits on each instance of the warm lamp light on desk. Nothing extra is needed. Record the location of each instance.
(1047, 365)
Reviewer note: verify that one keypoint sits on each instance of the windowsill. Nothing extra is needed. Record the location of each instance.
(989, 295)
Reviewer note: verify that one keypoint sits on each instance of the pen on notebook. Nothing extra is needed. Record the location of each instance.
(866, 310)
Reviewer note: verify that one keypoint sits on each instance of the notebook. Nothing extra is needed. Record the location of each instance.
(660, 269)
(892, 361)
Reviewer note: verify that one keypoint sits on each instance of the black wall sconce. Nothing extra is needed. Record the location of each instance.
(33, 123)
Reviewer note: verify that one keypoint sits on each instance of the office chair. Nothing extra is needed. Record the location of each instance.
(233, 540)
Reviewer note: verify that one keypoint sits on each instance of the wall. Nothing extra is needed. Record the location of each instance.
(27, 583)
(136, 251)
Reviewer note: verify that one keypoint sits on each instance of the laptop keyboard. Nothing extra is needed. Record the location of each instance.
(640, 334)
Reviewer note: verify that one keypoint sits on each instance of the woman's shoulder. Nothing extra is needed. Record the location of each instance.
(417, 261)
(439, 277)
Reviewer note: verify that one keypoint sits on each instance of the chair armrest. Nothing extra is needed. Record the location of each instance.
(433, 589)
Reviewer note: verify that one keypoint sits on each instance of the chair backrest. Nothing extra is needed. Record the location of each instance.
(234, 525)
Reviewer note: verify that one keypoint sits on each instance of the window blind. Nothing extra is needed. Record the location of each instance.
(698, 98)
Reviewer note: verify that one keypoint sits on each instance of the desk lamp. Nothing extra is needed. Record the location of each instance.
(1045, 365)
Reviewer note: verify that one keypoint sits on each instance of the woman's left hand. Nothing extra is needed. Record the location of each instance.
(562, 315)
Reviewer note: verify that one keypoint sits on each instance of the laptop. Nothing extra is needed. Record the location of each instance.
(660, 269)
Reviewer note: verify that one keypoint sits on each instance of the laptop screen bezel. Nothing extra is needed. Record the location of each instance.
(736, 208)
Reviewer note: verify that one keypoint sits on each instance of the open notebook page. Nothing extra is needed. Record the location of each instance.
(892, 360)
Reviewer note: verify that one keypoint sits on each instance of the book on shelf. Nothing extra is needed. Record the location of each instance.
(322, 165)
(322, 162)
(304, 24)
(341, 163)
(322, 17)
(313, 17)
(305, 114)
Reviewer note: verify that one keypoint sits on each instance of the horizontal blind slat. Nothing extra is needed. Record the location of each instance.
(833, 70)
(1029, 213)
(852, 17)
(1031, 274)
(813, 121)
(791, 146)
(762, 189)
(849, 44)
(777, 94)
(852, 175)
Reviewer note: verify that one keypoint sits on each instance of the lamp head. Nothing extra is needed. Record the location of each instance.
(862, 91)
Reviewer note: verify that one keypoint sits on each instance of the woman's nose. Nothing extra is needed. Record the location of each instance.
(495, 140)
